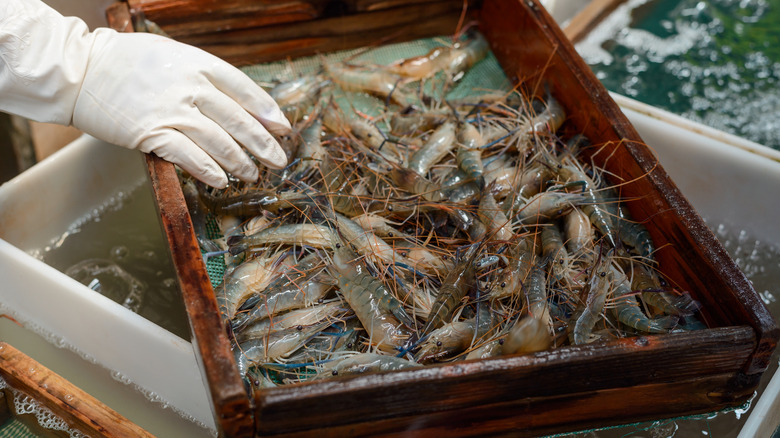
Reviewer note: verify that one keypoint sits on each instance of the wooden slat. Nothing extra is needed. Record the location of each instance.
(229, 400)
(625, 363)
(78, 409)
(587, 19)
(544, 416)
(262, 44)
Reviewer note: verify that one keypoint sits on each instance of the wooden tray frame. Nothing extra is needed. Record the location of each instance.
(562, 390)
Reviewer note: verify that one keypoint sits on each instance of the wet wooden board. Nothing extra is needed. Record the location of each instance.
(566, 389)
(243, 32)
(78, 409)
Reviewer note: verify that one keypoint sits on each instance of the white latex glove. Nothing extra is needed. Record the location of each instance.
(140, 91)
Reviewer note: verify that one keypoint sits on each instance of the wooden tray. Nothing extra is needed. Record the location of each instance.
(24, 377)
(566, 389)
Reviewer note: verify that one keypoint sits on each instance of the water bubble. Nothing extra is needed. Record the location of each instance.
(110, 280)
(119, 253)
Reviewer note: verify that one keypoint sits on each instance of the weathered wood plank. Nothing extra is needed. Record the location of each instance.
(228, 397)
(526, 417)
(624, 363)
(78, 409)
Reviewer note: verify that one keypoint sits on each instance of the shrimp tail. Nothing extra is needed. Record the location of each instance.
(685, 304)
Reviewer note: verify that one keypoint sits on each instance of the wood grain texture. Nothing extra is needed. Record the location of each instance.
(243, 32)
(229, 400)
(543, 416)
(626, 364)
(78, 409)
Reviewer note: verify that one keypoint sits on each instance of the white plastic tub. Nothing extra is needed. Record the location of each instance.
(36, 208)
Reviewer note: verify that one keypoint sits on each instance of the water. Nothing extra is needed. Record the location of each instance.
(716, 62)
(119, 250)
(760, 261)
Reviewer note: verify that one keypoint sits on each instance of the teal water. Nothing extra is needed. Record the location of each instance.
(712, 61)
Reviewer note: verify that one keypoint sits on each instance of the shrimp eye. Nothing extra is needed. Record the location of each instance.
(560, 261)
(257, 383)
(299, 328)
(503, 284)
(602, 274)
(338, 245)
(335, 373)
(349, 345)
(438, 343)
(501, 341)
(389, 234)
(321, 300)
(389, 208)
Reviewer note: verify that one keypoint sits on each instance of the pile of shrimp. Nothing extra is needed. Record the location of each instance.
(438, 230)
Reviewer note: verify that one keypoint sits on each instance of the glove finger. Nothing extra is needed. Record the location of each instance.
(228, 114)
(216, 142)
(239, 87)
(173, 146)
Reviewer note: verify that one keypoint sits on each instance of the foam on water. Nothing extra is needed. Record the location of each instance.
(711, 61)
(24, 405)
(60, 342)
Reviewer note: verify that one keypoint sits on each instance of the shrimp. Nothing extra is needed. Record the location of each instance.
(292, 291)
(634, 234)
(439, 144)
(535, 289)
(546, 206)
(294, 318)
(555, 251)
(242, 282)
(469, 156)
(295, 95)
(317, 236)
(521, 260)
(646, 282)
(373, 303)
(413, 182)
(516, 182)
(366, 363)
(273, 346)
(578, 230)
(546, 122)
(454, 288)
(454, 338)
(368, 80)
(626, 309)
(494, 218)
(311, 150)
(588, 314)
(527, 335)
(366, 242)
(255, 202)
(453, 61)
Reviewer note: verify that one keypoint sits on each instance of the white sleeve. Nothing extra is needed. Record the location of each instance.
(43, 60)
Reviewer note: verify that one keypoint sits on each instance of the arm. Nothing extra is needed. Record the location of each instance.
(139, 91)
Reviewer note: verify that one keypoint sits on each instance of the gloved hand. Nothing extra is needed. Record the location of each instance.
(139, 91)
